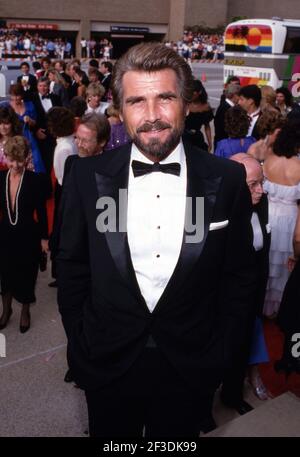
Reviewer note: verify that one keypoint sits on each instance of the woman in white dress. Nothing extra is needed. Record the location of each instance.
(282, 183)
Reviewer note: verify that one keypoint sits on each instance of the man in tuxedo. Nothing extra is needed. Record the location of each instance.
(232, 389)
(43, 101)
(231, 92)
(250, 98)
(28, 81)
(154, 284)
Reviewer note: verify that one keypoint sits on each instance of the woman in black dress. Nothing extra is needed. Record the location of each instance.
(200, 114)
(22, 237)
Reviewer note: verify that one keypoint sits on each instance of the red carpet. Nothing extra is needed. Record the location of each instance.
(50, 212)
(50, 205)
(277, 383)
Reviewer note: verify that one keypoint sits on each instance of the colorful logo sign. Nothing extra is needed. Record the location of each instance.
(249, 38)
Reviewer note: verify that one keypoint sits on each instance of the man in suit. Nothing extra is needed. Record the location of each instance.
(28, 81)
(72, 67)
(43, 101)
(60, 66)
(106, 70)
(232, 389)
(155, 294)
(231, 92)
(250, 98)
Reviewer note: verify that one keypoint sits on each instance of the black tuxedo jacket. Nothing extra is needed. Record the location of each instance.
(219, 121)
(32, 81)
(262, 256)
(204, 315)
(255, 132)
(41, 114)
(106, 80)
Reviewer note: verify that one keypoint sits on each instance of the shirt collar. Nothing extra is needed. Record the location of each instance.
(177, 155)
(229, 102)
(255, 114)
(61, 139)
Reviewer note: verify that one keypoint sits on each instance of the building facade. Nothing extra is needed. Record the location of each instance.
(129, 21)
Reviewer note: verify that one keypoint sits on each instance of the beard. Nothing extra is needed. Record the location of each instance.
(155, 147)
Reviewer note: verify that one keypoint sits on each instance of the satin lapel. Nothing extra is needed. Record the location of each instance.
(109, 187)
(199, 184)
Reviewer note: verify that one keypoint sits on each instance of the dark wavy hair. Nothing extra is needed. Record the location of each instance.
(16, 90)
(237, 122)
(8, 116)
(78, 106)
(198, 87)
(60, 121)
(287, 95)
(151, 57)
(287, 143)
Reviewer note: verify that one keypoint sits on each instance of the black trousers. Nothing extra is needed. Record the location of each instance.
(150, 397)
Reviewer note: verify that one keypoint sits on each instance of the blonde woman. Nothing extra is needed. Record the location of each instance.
(58, 86)
(94, 94)
(268, 99)
(22, 238)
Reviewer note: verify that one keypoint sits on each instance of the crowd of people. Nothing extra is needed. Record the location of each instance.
(15, 42)
(196, 46)
(158, 312)
(192, 46)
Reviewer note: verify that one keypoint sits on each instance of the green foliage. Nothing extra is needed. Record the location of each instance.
(205, 29)
(238, 18)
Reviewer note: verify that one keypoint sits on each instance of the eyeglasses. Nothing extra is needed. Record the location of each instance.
(85, 141)
(255, 184)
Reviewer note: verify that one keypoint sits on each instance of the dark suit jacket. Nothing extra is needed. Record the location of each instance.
(41, 114)
(205, 311)
(255, 132)
(32, 81)
(47, 145)
(219, 121)
(67, 78)
(262, 256)
(106, 80)
(72, 89)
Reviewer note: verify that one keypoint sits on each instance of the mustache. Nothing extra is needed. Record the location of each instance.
(149, 126)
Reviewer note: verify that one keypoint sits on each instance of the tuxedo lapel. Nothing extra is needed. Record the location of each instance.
(109, 182)
(200, 183)
(263, 216)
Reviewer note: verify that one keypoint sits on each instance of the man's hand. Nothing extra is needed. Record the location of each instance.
(45, 245)
(41, 135)
(291, 263)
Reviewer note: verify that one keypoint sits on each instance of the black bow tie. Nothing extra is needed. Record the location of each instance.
(142, 168)
(45, 96)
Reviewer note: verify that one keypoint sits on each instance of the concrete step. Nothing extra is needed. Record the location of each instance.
(279, 417)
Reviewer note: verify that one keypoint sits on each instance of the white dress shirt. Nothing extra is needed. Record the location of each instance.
(155, 223)
(258, 239)
(46, 102)
(254, 117)
(99, 110)
(65, 146)
(229, 102)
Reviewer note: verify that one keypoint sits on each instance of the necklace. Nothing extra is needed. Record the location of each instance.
(16, 201)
